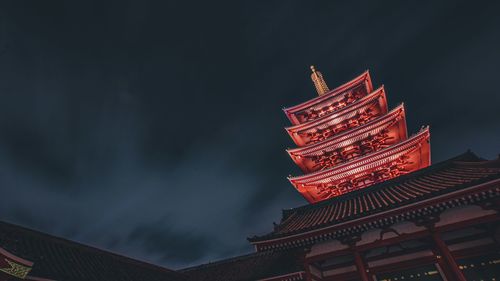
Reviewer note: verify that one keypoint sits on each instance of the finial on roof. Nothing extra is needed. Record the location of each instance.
(318, 81)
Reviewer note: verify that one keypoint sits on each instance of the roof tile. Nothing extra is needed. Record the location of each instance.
(459, 172)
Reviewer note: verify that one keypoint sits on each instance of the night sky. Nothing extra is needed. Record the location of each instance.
(155, 130)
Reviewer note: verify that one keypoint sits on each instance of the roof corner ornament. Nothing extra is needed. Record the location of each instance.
(318, 81)
(14, 265)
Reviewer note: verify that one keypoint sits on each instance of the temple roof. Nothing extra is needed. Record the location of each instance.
(366, 162)
(61, 259)
(463, 171)
(380, 92)
(255, 266)
(377, 97)
(363, 78)
(348, 137)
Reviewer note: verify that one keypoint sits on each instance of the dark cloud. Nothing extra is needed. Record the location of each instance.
(155, 129)
(157, 239)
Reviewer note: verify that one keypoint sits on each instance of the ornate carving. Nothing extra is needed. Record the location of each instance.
(386, 230)
(341, 113)
(389, 171)
(15, 269)
(322, 134)
(427, 221)
(15, 266)
(331, 106)
(355, 150)
(350, 240)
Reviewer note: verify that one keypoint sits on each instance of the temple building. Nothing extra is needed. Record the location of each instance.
(347, 139)
(378, 210)
(26, 254)
(437, 223)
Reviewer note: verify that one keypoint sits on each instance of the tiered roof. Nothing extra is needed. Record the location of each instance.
(451, 179)
(412, 154)
(393, 124)
(361, 84)
(348, 145)
(375, 102)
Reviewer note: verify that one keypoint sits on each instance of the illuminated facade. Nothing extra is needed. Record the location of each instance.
(379, 211)
(403, 220)
(439, 223)
(347, 139)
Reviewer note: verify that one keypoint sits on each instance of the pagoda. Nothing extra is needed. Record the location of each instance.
(347, 139)
(440, 223)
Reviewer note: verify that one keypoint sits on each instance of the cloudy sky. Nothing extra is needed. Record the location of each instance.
(155, 129)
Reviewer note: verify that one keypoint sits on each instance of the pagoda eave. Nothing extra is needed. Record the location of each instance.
(412, 154)
(374, 104)
(363, 79)
(397, 112)
(377, 134)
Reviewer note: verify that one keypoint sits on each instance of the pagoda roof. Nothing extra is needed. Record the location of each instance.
(363, 163)
(364, 78)
(348, 137)
(338, 116)
(250, 267)
(60, 259)
(453, 176)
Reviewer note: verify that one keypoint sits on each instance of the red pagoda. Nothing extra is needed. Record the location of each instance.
(348, 140)
(436, 223)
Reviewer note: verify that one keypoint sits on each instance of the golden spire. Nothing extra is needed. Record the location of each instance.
(318, 81)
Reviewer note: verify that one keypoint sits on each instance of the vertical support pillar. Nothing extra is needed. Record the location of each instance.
(448, 258)
(443, 267)
(307, 266)
(308, 271)
(360, 265)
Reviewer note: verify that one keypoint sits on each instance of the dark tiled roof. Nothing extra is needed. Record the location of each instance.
(249, 267)
(459, 172)
(61, 259)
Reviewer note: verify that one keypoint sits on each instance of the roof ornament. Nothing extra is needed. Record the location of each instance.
(318, 81)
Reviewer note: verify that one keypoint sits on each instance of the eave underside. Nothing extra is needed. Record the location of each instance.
(355, 115)
(367, 162)
(378, 134)
(363, 79)
(447, 177)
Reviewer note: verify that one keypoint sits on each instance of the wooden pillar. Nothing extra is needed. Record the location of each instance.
(308, 272)
(307, 269)
(448, 258)
(360, 265)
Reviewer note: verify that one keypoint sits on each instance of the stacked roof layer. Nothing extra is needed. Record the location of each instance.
(348, 139)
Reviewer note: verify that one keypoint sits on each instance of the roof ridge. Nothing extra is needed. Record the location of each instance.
(452, 163)
(469, 156)
(375, 156)
(396, 180)
(370, 97)
(321, 145)
(82, 246)
(228, 260)
(333, 92)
